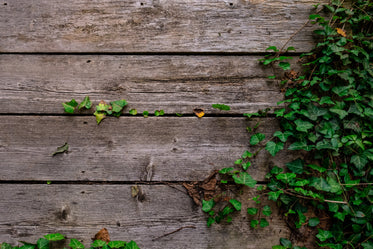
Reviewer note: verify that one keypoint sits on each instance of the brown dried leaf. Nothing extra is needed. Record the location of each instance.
(103, 235)
(199, 112)
(193, 192)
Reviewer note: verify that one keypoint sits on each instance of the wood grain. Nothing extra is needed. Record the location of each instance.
(28, 212)
(128, 148)
(153, 25)
(41, 83)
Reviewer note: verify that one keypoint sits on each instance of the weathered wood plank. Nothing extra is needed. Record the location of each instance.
(39, 83)
(152, 26)
(29, 211)
(128, 148)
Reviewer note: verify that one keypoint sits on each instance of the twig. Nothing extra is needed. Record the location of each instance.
(177, 230)
(310, 198)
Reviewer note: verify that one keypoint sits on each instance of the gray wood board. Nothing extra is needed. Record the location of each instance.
(41, 83)
(128, 148)
(153, 25)
(28, 212)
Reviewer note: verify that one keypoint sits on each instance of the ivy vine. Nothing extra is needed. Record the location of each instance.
(327, 116)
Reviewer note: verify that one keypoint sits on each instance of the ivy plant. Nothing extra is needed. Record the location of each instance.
(327, 115)
(47, 240)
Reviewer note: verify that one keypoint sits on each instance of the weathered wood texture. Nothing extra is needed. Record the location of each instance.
(79, 211)
(152, 25)
(128, 148)
(40, 83)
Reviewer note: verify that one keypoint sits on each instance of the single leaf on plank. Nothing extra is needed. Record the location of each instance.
(103, 235)
(221, 107)
(263, 222)
(199, 112)
(118, 105)
(133, 112)
(70, 106)
(62, 149)
(87, 104)
(99, 116)
(244, 179)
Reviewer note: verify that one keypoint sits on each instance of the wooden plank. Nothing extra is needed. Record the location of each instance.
(153, 26)
(128, 148)
(27, 212)
(40, 83)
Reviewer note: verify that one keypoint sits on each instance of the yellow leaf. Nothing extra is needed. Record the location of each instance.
(341, 32)
(199, 112)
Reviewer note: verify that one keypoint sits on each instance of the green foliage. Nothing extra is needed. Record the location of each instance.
(158, 113)
(327, 116)
(45, 243)
(221, 107)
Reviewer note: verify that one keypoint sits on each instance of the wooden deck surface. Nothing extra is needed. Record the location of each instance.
(157, 54)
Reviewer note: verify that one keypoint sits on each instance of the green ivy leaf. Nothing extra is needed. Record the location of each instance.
(286, 177)
(254, 223)
(301, 146)
(118, 105)
(75, 244)
(6, 246)
(87, 104)
(359, 161)
(207, 205)
(99, 116)
(273, 147)
(252, 211)
(263, 222)
(210, 221)
(296, 166)
(225, 170)
(246, 154)
(133, 112)
(98, 243)
(132, 245)
(324, 235)
(320, 183)
(267, 210)
(54, 237)
(312, 222)
(221, 107)
(284, 65)
(117, 244)
(246, 165)
(283, 136)
(286, 243)
(326, 100)
(273, 195)
(245, 179)
(145, 114)
(257, 138)
(62, 149)
(302, 125)
(158, 113)
(236, 204)
(70, 106)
